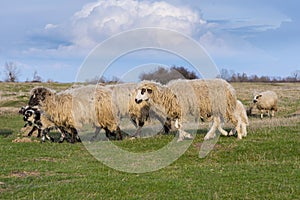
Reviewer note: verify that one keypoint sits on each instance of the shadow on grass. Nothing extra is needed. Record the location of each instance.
(5, 132)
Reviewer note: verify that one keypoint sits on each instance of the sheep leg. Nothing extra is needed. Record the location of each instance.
(181, 133)
(34, 128)
(62, 135)
(239, 131)
(39, 133)
(97, 131)
(232, 132)
(119, 134)
(137, 132)
(222, 131)
(244, 130)
(75, 136)
(139, 127)
(273, 113)
(261, 114)
(45, 135)
(212, 132)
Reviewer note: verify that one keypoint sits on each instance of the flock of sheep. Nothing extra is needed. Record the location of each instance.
(173, 104)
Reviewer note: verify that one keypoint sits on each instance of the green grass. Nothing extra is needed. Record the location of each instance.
(264, 165)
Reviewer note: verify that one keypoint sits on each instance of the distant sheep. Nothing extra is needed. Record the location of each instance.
(206, 99)
(266, 102)
(241, 116)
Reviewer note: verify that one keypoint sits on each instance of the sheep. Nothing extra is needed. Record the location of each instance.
(198, 98)
(241, 116)
(73, 108)
(162, 98)
(33, 117)
(124, 99)
(57, 108)
(266, 101)
(29, 116)
(211, 100)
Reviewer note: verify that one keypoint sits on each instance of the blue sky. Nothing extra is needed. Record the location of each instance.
(54, 37)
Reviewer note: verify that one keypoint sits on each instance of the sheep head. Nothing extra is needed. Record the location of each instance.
(38, 95)
(144, 92)
(256, 98)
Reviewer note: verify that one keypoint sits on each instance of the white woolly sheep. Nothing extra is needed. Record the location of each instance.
(198, 98)
(212, 99)
(73, 108)
(125, 103)
(163, 99)
(266, 101)
(241, 116)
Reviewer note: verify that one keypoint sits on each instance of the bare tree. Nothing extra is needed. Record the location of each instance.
(296, 75)
(11, 72)
(36, 77)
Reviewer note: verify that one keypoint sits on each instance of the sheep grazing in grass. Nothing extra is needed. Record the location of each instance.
(200, 99)
(241, 116)
(266, 102)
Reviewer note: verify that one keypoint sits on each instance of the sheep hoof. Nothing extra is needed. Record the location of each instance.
(189, 136)
(133, 137)
(208, 137)
(180, 139)
(78, 139)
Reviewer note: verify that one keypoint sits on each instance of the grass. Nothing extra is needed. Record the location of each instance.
(264, 165)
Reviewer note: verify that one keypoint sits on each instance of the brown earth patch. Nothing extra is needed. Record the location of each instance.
(23, 174)
(23, 140)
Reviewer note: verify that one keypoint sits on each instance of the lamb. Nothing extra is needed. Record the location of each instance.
(91, 106)
(241, 116)
(266, 101)
(29, 116)
(33, 117)
(197, 98)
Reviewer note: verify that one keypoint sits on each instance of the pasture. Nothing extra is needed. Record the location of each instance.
(264, 165)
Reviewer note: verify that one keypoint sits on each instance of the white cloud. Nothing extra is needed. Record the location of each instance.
(50, 26)
(101, 19)
(223, 32)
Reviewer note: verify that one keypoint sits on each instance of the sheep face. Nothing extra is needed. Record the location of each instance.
(29, 116)
(256, 98)
(38, 96)
(23, 109)
(143, 94)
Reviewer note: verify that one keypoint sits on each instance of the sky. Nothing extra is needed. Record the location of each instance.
(55, 38)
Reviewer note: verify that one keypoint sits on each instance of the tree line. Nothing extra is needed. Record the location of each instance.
(163, 75)
(231, 76)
